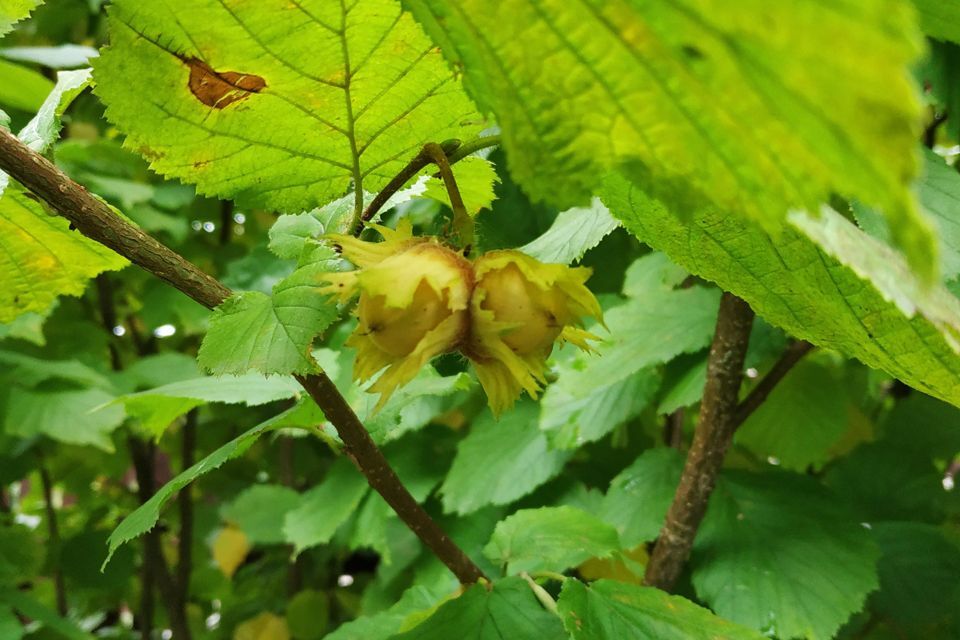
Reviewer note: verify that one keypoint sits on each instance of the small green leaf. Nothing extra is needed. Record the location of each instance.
(476, 178)
(507, 611)
(385, 624)
(325, 507)
(550, 539)
(608, 610)
(44, 128)
(146, 515)
(259, 512)
(499, 462)
(13, 11)
(40, 258)
(572, 234)
(638, 498)
(253, 331)
(737, 105)
(310, 100)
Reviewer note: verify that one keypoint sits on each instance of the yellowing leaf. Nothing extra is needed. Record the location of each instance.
(40, 258)
(280, 104)
(265, 626)
(230, 549)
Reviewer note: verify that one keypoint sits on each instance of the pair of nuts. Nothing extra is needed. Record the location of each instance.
(419, 298)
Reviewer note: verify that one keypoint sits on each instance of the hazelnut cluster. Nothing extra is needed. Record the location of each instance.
(419, 298)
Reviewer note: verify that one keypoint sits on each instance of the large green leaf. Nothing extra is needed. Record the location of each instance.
(279, 104)
(550, 539)
(939, 18)
(272, 334)
(145, 517)
(778, 553)
(385, 624)
(13, 11)
(824, 281)
(756, 107)
(507, 611)
(608, 610)
(500, 461)
(40, 258)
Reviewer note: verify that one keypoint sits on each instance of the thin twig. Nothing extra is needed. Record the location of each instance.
(793, 354)
(453, 151)
(710, 442)
(462, 222)
(94, 219)
(472, 146)
(53, 530)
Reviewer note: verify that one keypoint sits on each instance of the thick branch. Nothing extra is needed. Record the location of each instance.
(96, 220)
(710, 442)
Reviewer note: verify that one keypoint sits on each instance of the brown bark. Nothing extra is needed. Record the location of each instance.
(710, 443)
(94, 219)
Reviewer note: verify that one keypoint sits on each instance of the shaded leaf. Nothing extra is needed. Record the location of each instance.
(801, 420)
(258, 511)
(638, 498)
(146, 515)
(778, 553)
(74, 416)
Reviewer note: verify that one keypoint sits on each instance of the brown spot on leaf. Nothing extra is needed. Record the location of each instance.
(219, 89)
